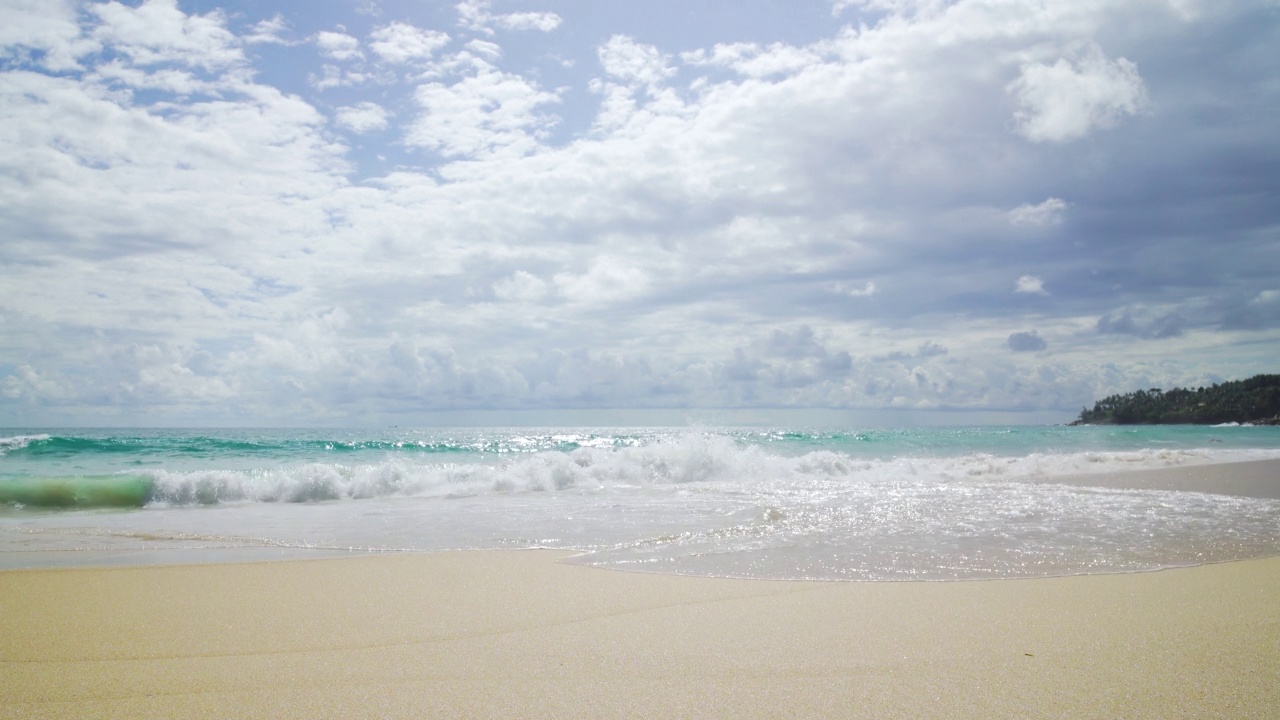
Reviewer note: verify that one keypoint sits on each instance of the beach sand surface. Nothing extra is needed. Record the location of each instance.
(1257, 479)
(518, 634)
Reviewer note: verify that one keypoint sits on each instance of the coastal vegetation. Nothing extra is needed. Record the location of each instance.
(1256, 401)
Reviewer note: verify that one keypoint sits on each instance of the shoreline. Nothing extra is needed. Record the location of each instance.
(529, 633)
(523, 634)
(1259, 479)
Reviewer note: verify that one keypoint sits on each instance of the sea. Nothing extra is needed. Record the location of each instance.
(881, 504)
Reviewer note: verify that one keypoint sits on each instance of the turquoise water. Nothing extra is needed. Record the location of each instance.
(854, 503)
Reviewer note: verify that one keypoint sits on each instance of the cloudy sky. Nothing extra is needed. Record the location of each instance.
(371, 211)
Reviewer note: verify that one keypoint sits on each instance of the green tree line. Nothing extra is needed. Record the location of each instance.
(1256, 400)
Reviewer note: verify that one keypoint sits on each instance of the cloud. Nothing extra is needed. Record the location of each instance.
(520, 286)
(1118, 325)
(484, 112)
(158, 32)
(338, 45)
(1068, 99)
(1030, 285)
(609, 279)
(362, 118)
(901, 7)
(629, 62)
(135, 168)
(1258, 313)
(839, 6)
(333, 76)
(755, 60)
(1044, 214)
(543, 21)
(789, 362)
(475, 15)
(633, 89)
(829, 223)
(268, 32)
(867, 290)
(400, 42)
(801, 342)
(491, 52)
(930, 349)
(48, 28)
(1027, 342)
(1171, 325)
(1143, 322)
(1266, 297)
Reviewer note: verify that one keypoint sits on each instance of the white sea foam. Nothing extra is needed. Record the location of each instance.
(690, 460)
(828, 519)
(17, 442)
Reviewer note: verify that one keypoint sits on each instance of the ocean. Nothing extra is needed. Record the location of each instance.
(945, 503)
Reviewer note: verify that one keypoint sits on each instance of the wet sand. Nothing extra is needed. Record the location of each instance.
(1259, 479)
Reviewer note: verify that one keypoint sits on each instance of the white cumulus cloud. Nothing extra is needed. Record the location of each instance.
(866, 290)
(268, 32)
(362, 117)
(1068, 99)
(1031, 285)
(543, 21)
(632, 62)
(159, 32)
(47, 26)
(400, 42)
(338, 45)
(754, 60)
(476, 15)
(1049, 212)
(486, 111)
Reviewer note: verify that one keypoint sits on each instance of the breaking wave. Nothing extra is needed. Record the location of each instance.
(694, 460)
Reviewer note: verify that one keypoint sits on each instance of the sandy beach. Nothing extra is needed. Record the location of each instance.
(1259, 479)
(509, 634)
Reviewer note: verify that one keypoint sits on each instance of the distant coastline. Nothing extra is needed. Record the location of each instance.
(1255, 401)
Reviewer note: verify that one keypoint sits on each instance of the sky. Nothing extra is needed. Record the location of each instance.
(401, 211)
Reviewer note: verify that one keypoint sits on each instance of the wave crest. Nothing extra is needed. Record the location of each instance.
(693, 460)
(18, 442)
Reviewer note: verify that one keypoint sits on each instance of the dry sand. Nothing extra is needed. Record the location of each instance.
(515, 634)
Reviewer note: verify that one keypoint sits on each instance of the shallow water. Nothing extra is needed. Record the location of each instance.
(931, 504)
